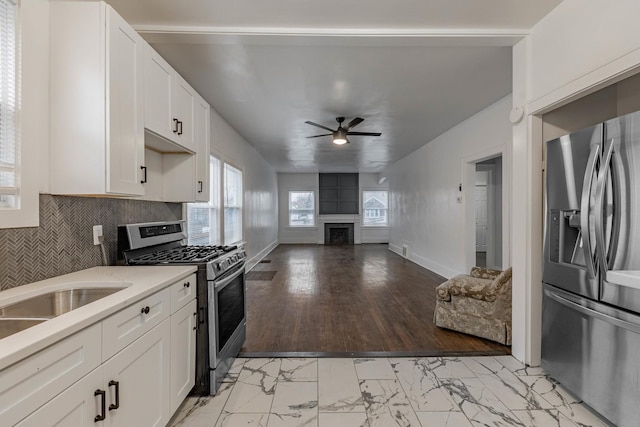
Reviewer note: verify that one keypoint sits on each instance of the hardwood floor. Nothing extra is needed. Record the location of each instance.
(348, 300)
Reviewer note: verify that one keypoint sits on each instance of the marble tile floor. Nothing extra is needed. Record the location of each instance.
(386, 392)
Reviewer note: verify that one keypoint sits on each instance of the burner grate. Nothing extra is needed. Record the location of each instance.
(185, 254)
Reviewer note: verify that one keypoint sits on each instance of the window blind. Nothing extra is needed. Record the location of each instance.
(8, 136)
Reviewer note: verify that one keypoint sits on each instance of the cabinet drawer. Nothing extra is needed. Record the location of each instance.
(124, 327)
(32, 382)
(182, 292)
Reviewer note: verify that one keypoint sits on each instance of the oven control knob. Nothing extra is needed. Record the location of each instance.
(218, 266)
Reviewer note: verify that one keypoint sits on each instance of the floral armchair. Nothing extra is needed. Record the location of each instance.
(477, 304)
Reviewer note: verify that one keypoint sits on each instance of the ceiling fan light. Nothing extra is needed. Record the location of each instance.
(340, 137)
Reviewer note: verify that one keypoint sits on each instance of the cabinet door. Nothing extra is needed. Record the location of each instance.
(125, 139)
(32, 382)
(182, 292)
(184, 103)
(158, 95)
(183, 353)
(142, 372)
(124, 327)
(77, 406)
(203, 151)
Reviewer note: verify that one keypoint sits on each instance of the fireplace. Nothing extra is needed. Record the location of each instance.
(338, 234)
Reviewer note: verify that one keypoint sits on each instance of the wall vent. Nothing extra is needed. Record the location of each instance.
(405, 251)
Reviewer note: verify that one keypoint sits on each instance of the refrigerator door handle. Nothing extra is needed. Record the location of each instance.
(584, 210)
(593, 313)
(601, 247)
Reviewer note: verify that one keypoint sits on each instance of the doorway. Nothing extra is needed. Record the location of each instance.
(488, 213)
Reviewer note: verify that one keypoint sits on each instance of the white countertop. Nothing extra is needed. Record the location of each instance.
(141, 281)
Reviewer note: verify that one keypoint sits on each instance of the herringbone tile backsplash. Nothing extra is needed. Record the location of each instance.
(63, 243)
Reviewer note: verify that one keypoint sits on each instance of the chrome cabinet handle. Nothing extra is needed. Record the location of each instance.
(175, 125)
(180, 124)
(187, 284)
(200, 185)
(144, 170)
(195, 321)
(145, 310)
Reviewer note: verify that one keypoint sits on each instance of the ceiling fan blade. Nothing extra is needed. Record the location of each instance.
(320, 126)
(317, 136)
(355, 122)
(365, 133)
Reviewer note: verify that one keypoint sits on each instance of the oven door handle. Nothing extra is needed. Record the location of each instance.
(224, 282)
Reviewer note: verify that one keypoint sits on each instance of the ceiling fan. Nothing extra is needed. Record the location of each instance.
(340, 135)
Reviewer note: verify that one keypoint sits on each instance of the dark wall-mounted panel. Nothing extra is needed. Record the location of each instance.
(348, 180)
(339, 193)
(329, 180)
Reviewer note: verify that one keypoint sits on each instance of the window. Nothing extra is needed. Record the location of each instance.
(203, 219)
(8, 90)
(375, 206)
(301, 209)
(232, 204)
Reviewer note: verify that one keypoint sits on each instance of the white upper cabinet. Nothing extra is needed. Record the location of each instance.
(201, 133)
(170, 102)
(158, 95)
(97, 101)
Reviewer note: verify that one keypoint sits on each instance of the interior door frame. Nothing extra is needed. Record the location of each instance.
(490, 202)
(468, 199)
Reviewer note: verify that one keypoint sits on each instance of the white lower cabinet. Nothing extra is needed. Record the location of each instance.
(139, 377)
(130, 389)
(33, 381)
(183, 353)
(141, 383)
(75, 407)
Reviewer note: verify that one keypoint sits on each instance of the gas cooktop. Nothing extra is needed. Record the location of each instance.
(183, 254)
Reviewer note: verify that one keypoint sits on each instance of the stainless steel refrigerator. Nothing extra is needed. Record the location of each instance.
(591, 267)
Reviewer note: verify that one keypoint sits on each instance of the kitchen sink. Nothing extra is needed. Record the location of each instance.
(52, 304)
(10, 326)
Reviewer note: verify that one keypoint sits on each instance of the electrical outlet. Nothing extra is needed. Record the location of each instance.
(97, 233)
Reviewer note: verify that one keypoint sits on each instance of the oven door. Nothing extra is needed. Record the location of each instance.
(227, 316)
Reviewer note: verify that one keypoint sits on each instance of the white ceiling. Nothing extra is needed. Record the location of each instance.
(412, 69)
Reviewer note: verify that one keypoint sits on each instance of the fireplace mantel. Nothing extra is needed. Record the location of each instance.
(339, 218)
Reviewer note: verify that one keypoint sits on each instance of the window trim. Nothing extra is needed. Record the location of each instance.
(315, 211)
(362, 222)
(222, 188)
(32, 89)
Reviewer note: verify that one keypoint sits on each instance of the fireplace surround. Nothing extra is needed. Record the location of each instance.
(338, 234)
(339, 219)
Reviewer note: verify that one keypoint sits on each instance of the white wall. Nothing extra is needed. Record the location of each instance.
(425, 214)
(580, 43)
(260, 188)
(296, 182)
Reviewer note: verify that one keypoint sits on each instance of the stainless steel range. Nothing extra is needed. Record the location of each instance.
(220, 291)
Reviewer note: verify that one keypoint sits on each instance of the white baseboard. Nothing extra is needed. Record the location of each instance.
(260, 256)
(433, 266)
(395, 248)
(426, 263)
(301, 240)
